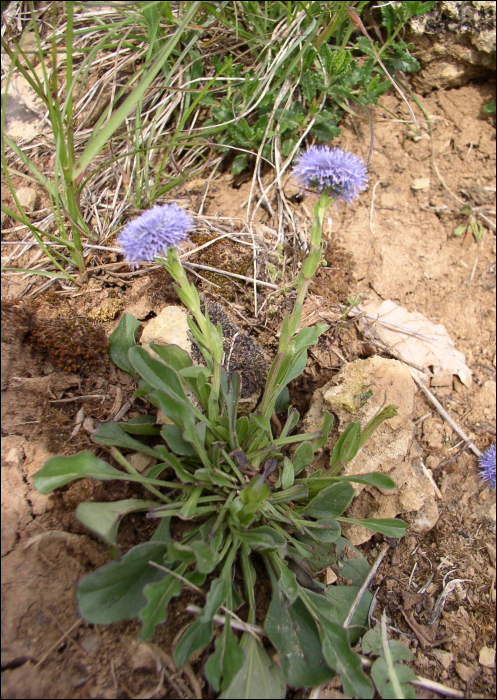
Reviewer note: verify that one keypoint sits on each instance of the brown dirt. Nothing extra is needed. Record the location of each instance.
(399, 246)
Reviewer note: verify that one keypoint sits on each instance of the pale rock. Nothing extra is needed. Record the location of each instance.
(444, 657)
(140, 461)
(454, 42)
(390, 450)
(421, 183)
(27, 198)
(23, 109)
(140, 309)
(487, 657)
(170, 327)
(465, 673)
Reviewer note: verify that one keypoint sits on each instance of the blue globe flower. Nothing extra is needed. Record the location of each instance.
(341, 174)
(487, 466)
(149, 236)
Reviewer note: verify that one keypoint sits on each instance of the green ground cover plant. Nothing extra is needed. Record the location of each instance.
(213, 471)
(161, 92)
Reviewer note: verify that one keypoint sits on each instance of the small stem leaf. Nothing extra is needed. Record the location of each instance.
(114, 592)
(304, 454)
(288, 475)
(259, 677)
(327, 425)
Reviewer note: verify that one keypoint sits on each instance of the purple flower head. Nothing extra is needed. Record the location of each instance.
(343, 175)
(148, 236)
(487, 466)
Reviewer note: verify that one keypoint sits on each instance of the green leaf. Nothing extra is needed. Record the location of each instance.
(255, 492)
(115, 591)
(262, 538)
(391, 527)
(219, 590)
(460, 230)
(159, 596)
(403, 674)
(240, 163)
(304, 454)
(141, 425)
(294, 635)
(242, 427)
(157, 374)
(347, 446)
(261, 422)
(174, 356)
(282, 400)
(104, 519)
(381, 481)
(288, 475)
(336, 645)
(226, 660)
(330, 502)
(371, 643)
(297, 492)
(351, 563)
(259, 677)
(121, 340)
(196, 637)
(389, 17)
(207, 558)
(113, 434)
(287, 582)
(174, 439)
(327, 425)
(59, 471)
(425, 7)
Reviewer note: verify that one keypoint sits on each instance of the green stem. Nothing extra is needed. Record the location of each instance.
(131, 470)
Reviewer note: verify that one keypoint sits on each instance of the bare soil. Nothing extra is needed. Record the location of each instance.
(396, 243)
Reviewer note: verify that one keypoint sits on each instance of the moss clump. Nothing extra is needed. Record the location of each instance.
(72, 345)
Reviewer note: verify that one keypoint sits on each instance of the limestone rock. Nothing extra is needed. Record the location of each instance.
(23, 109)
(170, 327)
(455, 43)
(390, 450)
(27, 198)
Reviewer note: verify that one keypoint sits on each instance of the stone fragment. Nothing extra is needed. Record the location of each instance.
(27, 197)
(390, 450)
(465, 673)
(170, 327)
(487, 657)
(140, 461)
(140, 309)
(421, 183)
